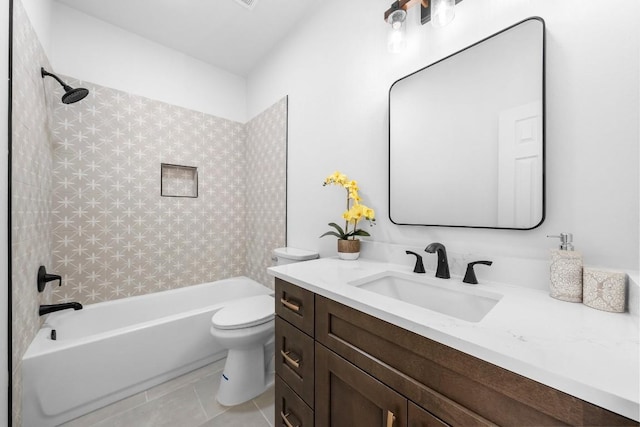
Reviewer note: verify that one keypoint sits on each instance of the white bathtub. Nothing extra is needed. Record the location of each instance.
(111, 350)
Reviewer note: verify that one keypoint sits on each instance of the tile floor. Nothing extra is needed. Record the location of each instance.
(186, 401)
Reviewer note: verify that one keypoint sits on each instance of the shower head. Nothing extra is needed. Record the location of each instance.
(74, 95)
(71, 95)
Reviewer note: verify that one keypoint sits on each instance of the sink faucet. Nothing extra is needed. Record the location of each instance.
(419, 267)
(443, 265)
(46, 309)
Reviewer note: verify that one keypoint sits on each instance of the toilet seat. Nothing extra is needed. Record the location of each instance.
(245, 313)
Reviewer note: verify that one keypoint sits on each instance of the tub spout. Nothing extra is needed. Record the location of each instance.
(46, 309)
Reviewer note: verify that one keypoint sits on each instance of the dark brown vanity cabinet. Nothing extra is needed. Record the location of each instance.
(367, 372)
(295, 356)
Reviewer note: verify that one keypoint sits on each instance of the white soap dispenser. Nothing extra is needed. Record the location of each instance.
(566, 271)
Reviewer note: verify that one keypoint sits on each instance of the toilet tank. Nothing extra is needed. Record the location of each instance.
(282, 256)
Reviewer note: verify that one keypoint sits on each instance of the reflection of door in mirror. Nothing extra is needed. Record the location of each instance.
(466, 136)
(520, 166)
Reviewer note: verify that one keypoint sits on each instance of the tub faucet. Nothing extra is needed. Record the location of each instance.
(46, 309)
(443, 265)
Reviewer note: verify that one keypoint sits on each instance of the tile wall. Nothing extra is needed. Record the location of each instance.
(266, 178)
(32, 160)
(115, 236)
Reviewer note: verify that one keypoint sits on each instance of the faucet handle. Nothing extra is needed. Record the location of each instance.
(44, 277)
(419, 267)
(470, 275)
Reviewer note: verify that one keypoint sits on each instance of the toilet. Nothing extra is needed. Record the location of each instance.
(245, 327)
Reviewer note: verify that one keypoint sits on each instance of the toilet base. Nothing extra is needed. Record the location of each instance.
(245, 376)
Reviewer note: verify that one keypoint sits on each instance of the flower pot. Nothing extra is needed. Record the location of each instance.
(348, 249)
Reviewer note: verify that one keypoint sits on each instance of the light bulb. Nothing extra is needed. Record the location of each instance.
(442, 12)
(396, 39)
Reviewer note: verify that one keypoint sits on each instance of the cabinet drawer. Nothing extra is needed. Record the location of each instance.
(295, 359)
(295, 305)
(290, 408)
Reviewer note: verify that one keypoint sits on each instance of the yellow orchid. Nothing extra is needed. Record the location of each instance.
(336, 178)
(355, 210)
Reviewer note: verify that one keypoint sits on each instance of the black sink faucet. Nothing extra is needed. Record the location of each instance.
(419, 267)
(46, 309)
(443, 265)
(470, 275)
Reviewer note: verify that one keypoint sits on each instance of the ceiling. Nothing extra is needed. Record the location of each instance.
(223, 33)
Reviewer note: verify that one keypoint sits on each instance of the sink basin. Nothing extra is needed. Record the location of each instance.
(448, 297)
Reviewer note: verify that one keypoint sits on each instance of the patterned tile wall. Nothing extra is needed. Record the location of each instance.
(114, 236)
(266, 189)
(32, 160)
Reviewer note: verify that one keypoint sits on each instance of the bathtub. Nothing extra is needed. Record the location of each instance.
(111, 350)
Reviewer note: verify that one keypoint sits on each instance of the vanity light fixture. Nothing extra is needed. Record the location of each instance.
(397, 36)
(439, 12)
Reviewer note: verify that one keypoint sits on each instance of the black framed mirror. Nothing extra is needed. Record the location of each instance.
(466, 136)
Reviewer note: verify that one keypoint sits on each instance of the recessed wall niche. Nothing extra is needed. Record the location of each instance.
(178, 181)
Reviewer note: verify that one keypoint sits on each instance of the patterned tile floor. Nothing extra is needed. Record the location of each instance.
(186, 401)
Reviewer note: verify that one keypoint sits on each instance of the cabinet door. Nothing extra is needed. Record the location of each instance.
(348, 397)
(418, 417)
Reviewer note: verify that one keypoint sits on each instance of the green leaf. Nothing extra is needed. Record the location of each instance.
(337, 227)
(360, 233)
(332, 233)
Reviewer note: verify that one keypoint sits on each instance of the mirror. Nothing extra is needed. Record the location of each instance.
(466, 136)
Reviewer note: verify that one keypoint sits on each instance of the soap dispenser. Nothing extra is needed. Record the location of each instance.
(566, 271)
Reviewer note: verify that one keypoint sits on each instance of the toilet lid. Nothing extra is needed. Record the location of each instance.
(245, 312)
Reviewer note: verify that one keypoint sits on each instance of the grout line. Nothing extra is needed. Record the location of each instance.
(262, 413)
(206, 416)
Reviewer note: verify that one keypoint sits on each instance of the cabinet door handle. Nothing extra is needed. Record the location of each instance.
(285, 418)
(291, 361)
(290, 305)
(390, 419)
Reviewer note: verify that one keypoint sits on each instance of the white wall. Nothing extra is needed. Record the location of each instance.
(39, 13)
(93, 50)
(337, 74)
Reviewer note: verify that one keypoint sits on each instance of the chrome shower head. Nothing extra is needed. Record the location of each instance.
(71, 95)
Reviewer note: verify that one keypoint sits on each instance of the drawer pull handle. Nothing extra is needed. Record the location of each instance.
(291, 361)
(290, 305)
(286, 420)
(390, 419)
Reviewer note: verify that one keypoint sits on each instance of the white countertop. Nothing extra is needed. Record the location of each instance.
(591, 354)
